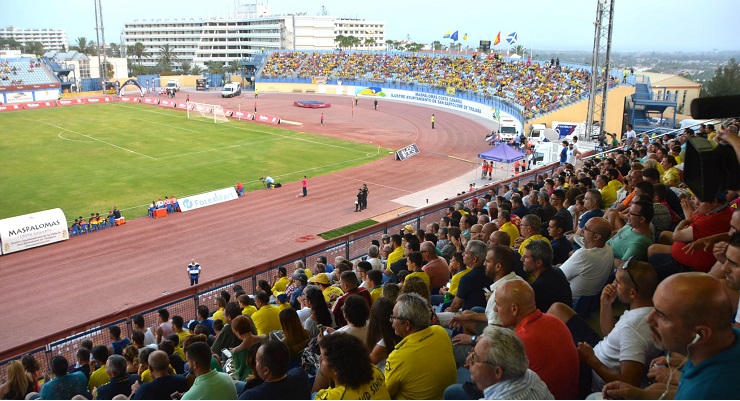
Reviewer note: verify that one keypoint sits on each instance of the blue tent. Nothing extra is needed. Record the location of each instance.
(502, 153)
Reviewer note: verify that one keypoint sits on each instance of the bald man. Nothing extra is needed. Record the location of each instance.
(488, 229)
(692, 316)
(589, 267)
(627, 349)
(436, 268)
(549, 346)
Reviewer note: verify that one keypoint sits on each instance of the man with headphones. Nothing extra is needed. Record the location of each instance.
(693, 316)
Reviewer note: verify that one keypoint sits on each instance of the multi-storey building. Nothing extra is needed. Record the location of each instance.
(52, 39)
(250, 32)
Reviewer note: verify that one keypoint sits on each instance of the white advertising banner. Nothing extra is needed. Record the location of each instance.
(49, 94)
(432, 99)
(31, 230)
(19, 97)
(207, 199)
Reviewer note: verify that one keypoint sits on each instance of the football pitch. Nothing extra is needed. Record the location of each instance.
(85, 159)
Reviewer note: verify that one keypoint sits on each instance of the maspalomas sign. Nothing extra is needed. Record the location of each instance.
(31, 230)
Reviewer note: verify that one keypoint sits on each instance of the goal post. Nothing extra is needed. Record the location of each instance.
(211, 112)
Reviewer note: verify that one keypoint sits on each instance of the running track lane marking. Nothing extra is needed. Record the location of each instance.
(451, 157)
(99, 140)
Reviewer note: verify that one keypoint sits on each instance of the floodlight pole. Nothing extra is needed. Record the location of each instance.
(601, 59)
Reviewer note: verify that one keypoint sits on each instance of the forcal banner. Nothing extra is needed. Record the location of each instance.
(31, 230)
(207, 199)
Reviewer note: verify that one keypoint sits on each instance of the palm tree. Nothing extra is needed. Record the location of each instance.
(167, 56)
(186, 67)
(520, 50)
(414, 47)
(437, 45)
(83, 46)
(36, 48)
(341, 41)
(196, 70)
(353, 41)
(389, 44)
(369, 42)
(234, 66)
(137, 50)
(215, 67)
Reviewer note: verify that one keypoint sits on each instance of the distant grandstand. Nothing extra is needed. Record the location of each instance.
(537, 87)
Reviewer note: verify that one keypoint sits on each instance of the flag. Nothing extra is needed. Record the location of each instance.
(498, 39)
(465, 37)
(497, 115)
(511, 39)
(454, 37)
(447, 35)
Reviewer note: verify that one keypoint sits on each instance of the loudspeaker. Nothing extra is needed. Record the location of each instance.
(710, 168)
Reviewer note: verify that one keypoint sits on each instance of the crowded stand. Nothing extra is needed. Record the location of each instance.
(496, 300)
(539, 88)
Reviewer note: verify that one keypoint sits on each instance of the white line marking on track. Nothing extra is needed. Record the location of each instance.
(98, 140)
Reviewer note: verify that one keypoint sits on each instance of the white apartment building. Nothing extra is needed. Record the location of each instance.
(52, 39)
(250, 32)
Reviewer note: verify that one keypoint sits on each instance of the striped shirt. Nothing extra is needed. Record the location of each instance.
(528, 387)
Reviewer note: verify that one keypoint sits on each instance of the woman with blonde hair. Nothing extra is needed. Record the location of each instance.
(131, 354)
(17, 385)
(294, 335)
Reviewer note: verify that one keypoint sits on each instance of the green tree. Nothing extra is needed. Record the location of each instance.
(414, 47)
(137, 51)
(166, 57)
(341, 41)
(36, 48)
(215, 67)
(196, 70)
(369, 42)
(10, 44)
(389, 44)
(113, 50)
(726, 81)
(233, 66)
(186, 66)
(83, 46)
(520, 50)
(353, 41)
(437, 45)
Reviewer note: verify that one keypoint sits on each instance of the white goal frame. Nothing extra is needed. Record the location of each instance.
(213, 112)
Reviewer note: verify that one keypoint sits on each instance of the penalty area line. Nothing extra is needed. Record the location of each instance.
(98, 140)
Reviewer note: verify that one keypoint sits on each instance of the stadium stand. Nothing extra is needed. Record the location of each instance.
(538, 87)
(24, 71)
(631, 221)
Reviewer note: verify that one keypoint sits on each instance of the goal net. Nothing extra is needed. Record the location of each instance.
(211, 112)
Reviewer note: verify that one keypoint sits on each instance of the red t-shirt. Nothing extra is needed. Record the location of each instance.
(704, 225)
(551, 352)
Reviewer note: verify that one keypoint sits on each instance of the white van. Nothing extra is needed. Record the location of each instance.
(546, 153)
(231, 89)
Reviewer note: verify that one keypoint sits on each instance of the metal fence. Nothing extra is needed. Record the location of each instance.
(185, 302)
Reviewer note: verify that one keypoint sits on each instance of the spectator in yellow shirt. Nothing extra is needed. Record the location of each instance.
(267, 317)
(281, 281)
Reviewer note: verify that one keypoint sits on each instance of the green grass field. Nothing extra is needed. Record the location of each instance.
(85, 159)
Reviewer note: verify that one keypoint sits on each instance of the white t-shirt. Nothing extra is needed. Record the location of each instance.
(630, 340)
(303, 314)
(490, 313)
(376, 263)
(588, 269)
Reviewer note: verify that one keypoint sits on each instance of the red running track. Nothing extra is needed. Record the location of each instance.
(57, 286)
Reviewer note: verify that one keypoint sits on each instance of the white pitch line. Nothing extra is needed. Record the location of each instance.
(99, 140)
(218, 149)
(167, 125)
(71, 140)
(254, 130)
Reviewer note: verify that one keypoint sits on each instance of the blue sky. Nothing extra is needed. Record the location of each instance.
(639, 25)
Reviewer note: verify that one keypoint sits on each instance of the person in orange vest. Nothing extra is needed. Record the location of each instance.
(484, 169)
(490, 170)
(524, 165)
(516, 167)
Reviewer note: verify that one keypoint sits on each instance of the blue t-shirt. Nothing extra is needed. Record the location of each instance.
(65, 387)
(713, 379)
(591, 213)
(563, 155)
